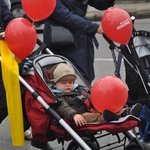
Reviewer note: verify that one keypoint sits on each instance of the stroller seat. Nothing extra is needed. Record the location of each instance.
(122, 125)
(39, 82)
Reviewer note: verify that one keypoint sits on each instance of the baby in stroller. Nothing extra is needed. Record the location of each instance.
(74, 99)
(45, 127)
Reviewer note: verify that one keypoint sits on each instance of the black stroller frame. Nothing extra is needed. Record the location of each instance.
(129, 54)
(78, 141)
(132, 57)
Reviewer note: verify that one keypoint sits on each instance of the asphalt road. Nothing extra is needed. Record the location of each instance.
(103, 66)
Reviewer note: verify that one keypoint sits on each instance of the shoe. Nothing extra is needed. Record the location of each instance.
(41, 145)
(28, 135)
(136, 110)
(110, 116)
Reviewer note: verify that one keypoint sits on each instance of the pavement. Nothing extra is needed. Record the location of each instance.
(138, 9)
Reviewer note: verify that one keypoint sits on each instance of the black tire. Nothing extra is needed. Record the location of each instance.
(18, 11)
(134, 146)
(72, 146)
(94, 145)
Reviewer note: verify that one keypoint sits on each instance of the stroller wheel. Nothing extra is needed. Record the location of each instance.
(93, 144)
(134, 146)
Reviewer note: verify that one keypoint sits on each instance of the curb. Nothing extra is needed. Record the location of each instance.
(139, 10)
(137, 15)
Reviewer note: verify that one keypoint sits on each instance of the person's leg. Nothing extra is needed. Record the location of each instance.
(3, 114)
(27, 133)
(3, 105)
(99, 117)
(93, 117)
(135, 110)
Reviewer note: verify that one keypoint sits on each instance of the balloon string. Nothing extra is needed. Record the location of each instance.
(33, 22)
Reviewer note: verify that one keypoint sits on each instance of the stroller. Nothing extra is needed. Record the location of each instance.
(136, 56)
(41, 102)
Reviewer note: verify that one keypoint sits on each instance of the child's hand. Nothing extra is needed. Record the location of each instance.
(79, 120)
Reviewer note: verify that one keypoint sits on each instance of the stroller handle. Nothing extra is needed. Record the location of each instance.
(107, 39)
(39, 42)
(43, 47)
(111, 43)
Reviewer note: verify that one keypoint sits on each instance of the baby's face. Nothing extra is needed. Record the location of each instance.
(65, 86)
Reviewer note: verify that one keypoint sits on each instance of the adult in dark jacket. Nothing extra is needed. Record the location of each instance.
(81, 55)
(5, 17)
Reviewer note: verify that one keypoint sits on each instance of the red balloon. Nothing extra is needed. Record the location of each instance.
(109, 93)
(21, 37)
(38, 10)
(117, 25)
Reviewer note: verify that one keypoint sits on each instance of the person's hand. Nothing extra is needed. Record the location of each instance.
(100, 30)
(79, 120)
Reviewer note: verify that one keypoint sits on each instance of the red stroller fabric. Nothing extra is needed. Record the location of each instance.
(36, 113)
